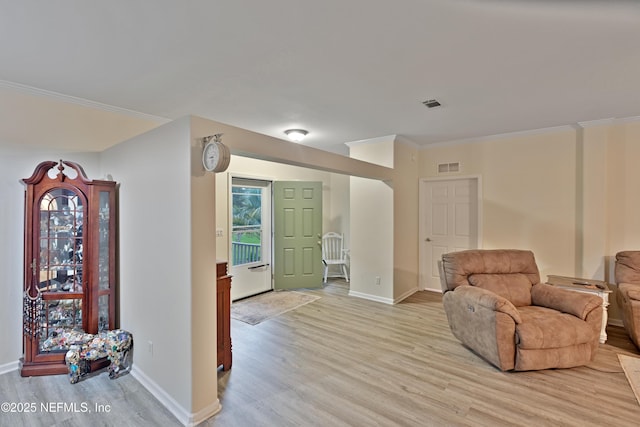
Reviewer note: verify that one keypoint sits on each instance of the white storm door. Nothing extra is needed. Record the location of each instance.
(250, 237)
(449, 218)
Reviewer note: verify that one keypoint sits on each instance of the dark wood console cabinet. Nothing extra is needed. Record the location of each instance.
(69, 262)
(223, 310)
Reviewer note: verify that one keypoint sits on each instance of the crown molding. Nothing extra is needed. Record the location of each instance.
(609, 121)
(386, 138)
(406, 141)
(502, 136)
(599, 122)
(573, 127)
(30, 90)
(628, 119)
(395, 138)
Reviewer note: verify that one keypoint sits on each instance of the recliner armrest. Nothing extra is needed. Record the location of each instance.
(630, 290)
(578, 304)
(487, 299)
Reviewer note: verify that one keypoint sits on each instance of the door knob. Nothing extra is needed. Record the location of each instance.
(428, 239)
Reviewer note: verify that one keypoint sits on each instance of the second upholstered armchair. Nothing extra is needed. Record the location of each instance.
(497, 307)
(627, 274)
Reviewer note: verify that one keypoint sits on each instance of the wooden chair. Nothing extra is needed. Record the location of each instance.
(333, 253)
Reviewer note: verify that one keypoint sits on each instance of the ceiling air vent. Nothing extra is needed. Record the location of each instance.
(431, 103)
(449, 167)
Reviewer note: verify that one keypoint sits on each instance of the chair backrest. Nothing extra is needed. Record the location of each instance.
(628, 267)
(332, 247)
(509, 273)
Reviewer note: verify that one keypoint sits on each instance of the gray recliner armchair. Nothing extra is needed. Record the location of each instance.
(497, 306)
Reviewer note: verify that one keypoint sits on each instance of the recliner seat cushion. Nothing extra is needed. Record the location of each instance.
(544, 328)
(515, 287)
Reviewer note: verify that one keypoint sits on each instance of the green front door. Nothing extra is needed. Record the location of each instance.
(297, 227)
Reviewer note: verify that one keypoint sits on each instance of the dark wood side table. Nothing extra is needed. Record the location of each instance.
(223, 310)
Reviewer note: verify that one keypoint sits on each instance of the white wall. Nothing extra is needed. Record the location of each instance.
(37, 119)
(371, 240)
(384, 218)
(155, 212)
(623, 196)
(372, 226)
(339, 219)
(203, 318)
(405, 220)
(570, 195)
(17, 164)
(612, 200)
(593, 213)
(529, 192)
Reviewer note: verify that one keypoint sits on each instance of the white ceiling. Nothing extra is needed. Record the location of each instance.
(345, 70)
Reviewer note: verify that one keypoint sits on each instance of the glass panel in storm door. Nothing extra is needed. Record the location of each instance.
(246, 242)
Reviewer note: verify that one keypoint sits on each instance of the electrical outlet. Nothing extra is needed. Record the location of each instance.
(219, 232)
(378, 280)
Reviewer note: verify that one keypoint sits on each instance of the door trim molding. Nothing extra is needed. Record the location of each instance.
(421, 184)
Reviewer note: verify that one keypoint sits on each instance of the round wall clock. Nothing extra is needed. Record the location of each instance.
(215, 155)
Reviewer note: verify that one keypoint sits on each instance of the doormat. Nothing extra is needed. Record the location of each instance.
(631, 367)
(268, 305)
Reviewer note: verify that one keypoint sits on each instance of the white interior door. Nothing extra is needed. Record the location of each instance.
(449, 221)
(250, 260)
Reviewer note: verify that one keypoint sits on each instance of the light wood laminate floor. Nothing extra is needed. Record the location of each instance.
(345, 361)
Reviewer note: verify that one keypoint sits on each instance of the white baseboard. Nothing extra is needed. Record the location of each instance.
(371, 297)
(205, 413)
(405, 295)
(435, 291)
(187, 418)
(9, 367)
(384, 300)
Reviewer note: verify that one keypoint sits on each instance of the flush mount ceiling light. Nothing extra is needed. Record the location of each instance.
(296, 135)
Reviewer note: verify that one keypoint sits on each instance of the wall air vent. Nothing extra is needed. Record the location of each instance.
(449, 167)
(431, 103)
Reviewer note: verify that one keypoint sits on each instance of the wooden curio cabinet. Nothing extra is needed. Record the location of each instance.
(69, 262)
